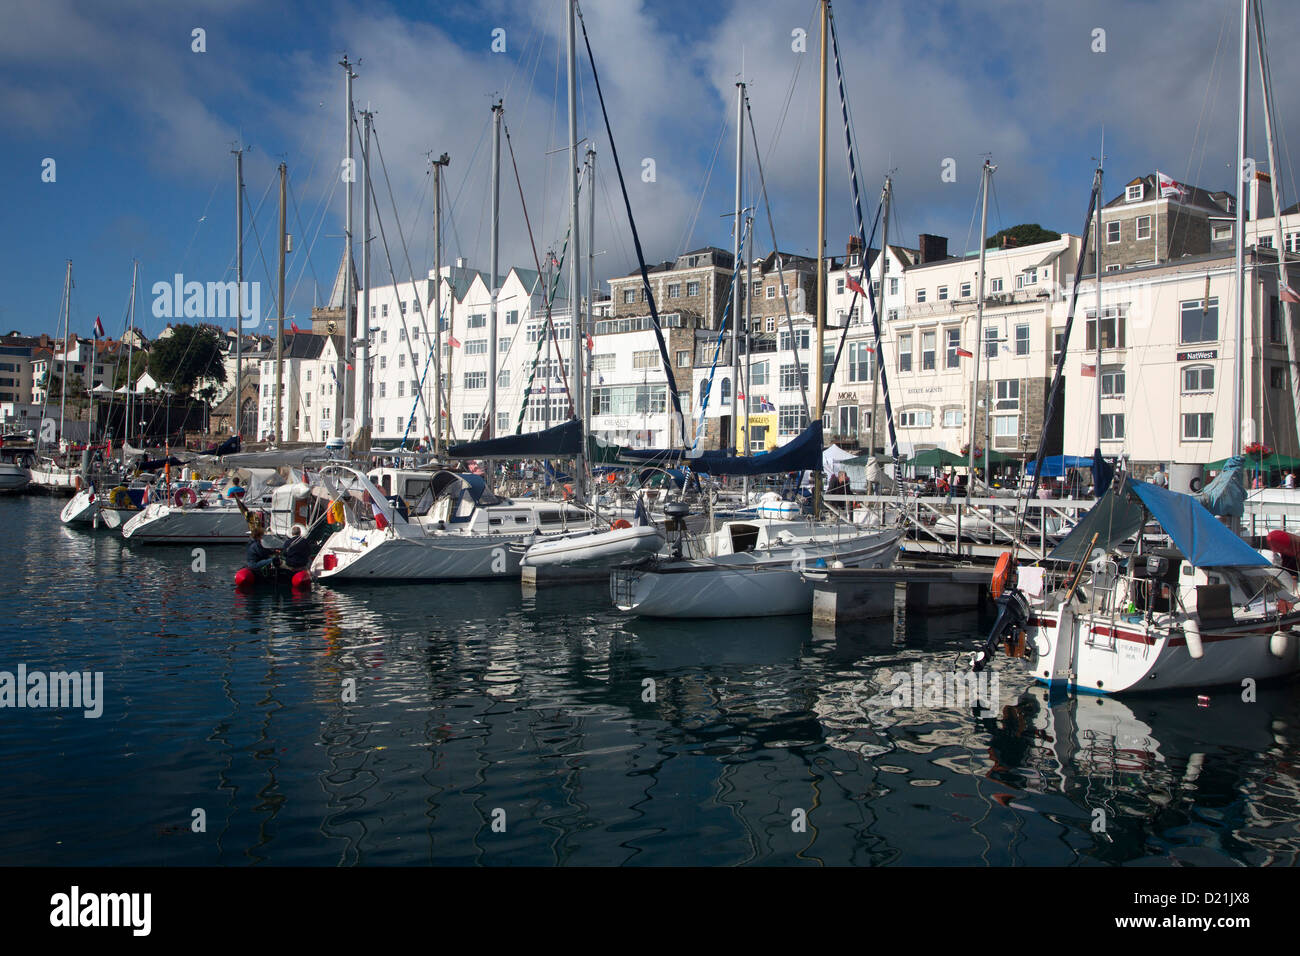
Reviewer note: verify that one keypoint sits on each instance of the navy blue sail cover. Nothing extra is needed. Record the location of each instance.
(802, 453)
(562, 441)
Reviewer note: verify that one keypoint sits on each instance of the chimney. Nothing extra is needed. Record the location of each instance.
(854, 245)
(460, 262)
(932, 248)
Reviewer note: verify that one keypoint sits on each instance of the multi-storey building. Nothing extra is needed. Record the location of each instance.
(311, 388)
(698, 282)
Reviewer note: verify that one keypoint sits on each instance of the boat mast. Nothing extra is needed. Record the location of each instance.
(1096, 241)
(821, 247)
(591, 271)
(497, 110)
(438, 165)
(1293, 359)
(363, 320)
(63, 375)
(735, 286)
(886, 199)
(575, 257)
(1239, 237)
(979, 338)
(126, 436)
(749, 301)
(239, 290)
(279, 322)
(349, 330)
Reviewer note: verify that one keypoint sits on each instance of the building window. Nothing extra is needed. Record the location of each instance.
(953, 417)
(477, 321)
(1291, 240)
(860, 358)
(726, 391)
(892, 315)
(472, 347)
(1144, 227)
(1198, 378)
(839, 286)
(943, 293)
(401, 306)
(965, 290)
(771, 292)
(1265, 241)
(472, 421)
(916, 418)
(758, 374)
(683, 358)
(1113, 320)
(920, 295)
(1112, 427)
(385, 310)
(1005, 426)
(674, 290)
(905, 352)
(604, 362)
(1198, 426)
(1112, 233)
(801, 339)
(647, 359)
(792, 419)
(991, 342)
(1200, 321)
(503, 345)
(1277, 376)
(1008, 395)
(848, 421)
(771, 323)
(928, 342)
(995, 285)
(512, 317)
(792, 379)
(1222, 232)
(692, 289)
(629, 296)
(1022, 340)
(1275, 315)
(952, 340)
(383, 389)
(401, 386)
(473, 380)
(503, 378)
(1133, 193)
(1112, 384)
(503, 421)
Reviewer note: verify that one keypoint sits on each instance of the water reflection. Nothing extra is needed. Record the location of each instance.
(471, 724)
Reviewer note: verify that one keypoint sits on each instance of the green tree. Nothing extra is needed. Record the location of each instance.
(1025, 234)
(189, 354)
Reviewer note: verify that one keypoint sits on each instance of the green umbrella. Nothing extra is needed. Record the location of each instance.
(935, 458)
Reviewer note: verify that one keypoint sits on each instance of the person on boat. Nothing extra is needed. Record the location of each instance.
(1160, 479)
(839, 484)
(258, 556)
(296, 552)
(1289, 480)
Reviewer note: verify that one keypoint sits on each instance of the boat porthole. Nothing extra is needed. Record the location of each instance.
(1046, 674)
(1099, 685)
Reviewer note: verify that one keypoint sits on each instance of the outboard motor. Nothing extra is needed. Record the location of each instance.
(675, 513)
(1013, 614)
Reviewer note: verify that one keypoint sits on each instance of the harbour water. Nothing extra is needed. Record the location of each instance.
(470, 724)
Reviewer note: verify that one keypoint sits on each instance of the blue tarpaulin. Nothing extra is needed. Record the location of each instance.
(802, 453)
(1054, 466)
(1206, 542)
(1226, 494)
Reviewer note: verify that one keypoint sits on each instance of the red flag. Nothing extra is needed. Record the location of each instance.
(99, 328)
(293, 326)
(349, 367)
(741, 396)
(965, 354)
(591, 343)
(1088, 371)
(453, 341)
(1288, 294)
(853, 284)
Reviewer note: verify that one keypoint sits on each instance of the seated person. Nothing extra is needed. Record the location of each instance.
(259, 556)
(297, 551)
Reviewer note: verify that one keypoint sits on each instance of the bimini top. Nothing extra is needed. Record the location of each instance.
(1206, 541)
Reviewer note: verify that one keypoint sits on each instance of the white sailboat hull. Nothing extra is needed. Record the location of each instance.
(81, 509)
(594, 548)
(763, 584)
(1110, 656)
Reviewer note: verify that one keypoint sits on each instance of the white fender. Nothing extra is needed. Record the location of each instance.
(1277, 644)
(1192, 631)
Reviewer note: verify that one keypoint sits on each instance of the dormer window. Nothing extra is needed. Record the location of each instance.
(1133, 193)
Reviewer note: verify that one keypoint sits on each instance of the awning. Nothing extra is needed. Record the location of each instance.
(1054, 466)
(1198, 534)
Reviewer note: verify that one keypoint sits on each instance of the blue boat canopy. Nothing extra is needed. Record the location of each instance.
(1205, 541)
(1054, 466)
(562, 441)
(802, 453)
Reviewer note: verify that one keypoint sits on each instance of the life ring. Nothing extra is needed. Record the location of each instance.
(1001, 571)
(1194, 485)
(620, 524)
(184, 496)
(119, 499)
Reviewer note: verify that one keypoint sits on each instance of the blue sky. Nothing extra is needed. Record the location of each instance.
(141, 127)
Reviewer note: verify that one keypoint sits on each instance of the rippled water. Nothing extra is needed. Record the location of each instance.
(476, 703)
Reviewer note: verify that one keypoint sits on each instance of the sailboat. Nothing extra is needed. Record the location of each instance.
(50, 474)
(1209, 610)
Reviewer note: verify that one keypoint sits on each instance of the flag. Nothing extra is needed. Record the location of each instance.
(1169, 187)
(453, 341)
(591, 343)
(766, 406)
(293, 327)
(740, 396)
(855, 286)
(869, 348)
(1288, 294)
(1088, 371)
(642, 516)
(349, 367)
(965, 354)
(99, 328)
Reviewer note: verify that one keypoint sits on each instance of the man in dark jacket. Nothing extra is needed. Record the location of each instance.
(258, 556)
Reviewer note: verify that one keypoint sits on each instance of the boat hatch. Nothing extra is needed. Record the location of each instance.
(744, 537)
(548, 517)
